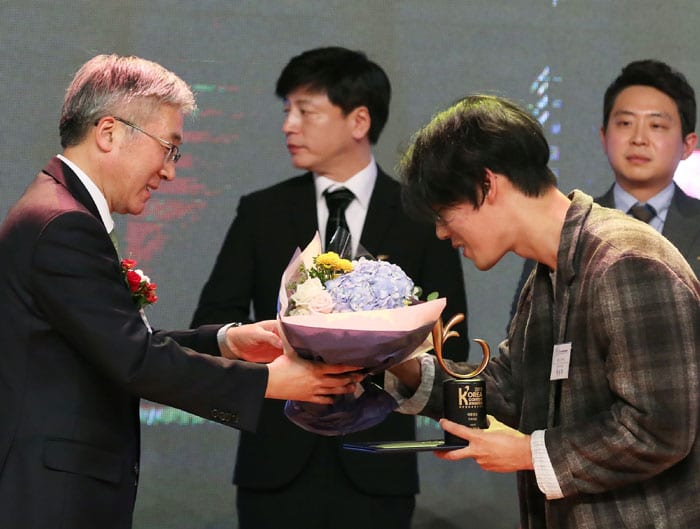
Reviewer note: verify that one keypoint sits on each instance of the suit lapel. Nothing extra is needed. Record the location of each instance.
(607, 200)
(682, 222)
(682, 225)
(64, 175)
(382, 211)
(302, 215)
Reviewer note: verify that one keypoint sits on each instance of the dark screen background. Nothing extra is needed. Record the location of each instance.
(555, 57)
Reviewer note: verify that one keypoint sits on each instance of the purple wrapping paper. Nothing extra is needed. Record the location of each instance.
(371, 349)
(374, 340)
(348, 414)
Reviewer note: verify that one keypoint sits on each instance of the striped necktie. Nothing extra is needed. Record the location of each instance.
(338, 237)
(643, 212)
(115, 241)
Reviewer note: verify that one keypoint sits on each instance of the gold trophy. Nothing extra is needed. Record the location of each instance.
(464, 394)
(464, 401)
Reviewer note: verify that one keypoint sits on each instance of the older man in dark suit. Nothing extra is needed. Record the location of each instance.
(336, 103)
(77, 353)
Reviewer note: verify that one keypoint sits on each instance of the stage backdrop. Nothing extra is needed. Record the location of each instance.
(554, 56)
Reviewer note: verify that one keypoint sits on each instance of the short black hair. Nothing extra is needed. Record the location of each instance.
(447, 161)
(659, 75)
(348, 77)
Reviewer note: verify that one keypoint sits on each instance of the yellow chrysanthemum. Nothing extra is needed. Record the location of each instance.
(328, 259)
(333, 261)
(344, 265)
(329, 265)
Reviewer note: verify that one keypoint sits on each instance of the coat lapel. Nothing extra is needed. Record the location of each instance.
(65, 176)
(683, 222)
(608, 199)
(302, 215)
(383, 206)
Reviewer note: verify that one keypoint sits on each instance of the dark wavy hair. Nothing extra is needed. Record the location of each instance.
(447, 161)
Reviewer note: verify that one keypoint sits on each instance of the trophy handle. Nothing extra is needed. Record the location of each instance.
(440, 336)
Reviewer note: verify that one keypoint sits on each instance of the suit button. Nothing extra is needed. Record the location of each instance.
(224, 416)
(221, 416)
(136, 468)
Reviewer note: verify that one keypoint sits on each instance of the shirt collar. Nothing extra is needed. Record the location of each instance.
(97, 197)
(661, 201)
(361, 184)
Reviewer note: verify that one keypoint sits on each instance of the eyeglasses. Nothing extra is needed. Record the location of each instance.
(438, 216)
(173, 154)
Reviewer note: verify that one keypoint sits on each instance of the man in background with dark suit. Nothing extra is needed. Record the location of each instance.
(649, 115)
(77, 350)
(336, 103)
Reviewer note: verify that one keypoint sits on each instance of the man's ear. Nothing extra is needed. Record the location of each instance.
(491, 186)
(360, 121)
(689, 144)
(104, 133)
(602, 140)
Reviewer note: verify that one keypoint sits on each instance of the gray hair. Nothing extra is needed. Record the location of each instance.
(108, 83)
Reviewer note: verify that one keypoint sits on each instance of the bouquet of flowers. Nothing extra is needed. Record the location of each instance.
(364, 313)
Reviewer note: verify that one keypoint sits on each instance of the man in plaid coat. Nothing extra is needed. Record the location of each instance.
(609, 438)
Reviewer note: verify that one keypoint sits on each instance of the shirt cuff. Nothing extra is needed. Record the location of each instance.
(412, 403)
(544, 471)
(224, 349)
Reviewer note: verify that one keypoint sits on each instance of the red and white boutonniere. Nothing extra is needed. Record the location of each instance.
(143, 292)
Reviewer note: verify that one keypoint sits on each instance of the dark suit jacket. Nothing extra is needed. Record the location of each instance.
(76, 357)
(682, 228)
(269, 226)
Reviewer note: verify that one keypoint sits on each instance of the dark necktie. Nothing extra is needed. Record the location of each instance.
(643, 212)
(337, 231)
(115, 241)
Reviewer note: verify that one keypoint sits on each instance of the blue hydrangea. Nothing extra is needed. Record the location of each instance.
(371, 285)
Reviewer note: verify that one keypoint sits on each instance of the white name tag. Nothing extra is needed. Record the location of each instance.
(561, 355)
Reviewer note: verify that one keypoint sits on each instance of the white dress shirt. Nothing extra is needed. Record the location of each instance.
(97, 197)
(362, 185)
(660, 202)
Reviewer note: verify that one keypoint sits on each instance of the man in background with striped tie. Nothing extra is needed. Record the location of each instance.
(336, 102)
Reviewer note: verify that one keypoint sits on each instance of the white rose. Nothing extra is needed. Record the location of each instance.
(310, 296)
(299, 311)
(322, 303)
(306, 291)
